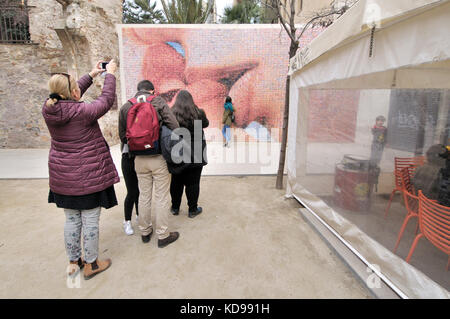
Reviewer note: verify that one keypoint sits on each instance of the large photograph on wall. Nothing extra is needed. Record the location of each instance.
(247, 63)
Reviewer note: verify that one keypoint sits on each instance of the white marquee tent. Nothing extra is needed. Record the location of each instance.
(382, 57)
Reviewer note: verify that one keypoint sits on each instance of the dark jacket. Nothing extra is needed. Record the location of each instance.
(194, 161)
(379, 135)
(79, 161)
(428, 177)
(164, 112)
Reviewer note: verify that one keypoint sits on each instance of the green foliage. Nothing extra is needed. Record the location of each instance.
(187, 11)
(246, 11)
(141, 11)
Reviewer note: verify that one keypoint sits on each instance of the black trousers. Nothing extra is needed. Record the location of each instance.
(131, 182)
(189, 178)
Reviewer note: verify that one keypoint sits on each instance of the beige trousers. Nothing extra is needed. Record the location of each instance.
(153, 179)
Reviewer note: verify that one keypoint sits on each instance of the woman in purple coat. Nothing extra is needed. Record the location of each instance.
(81, 170)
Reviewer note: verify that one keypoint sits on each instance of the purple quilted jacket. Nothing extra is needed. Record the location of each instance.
(79, 161)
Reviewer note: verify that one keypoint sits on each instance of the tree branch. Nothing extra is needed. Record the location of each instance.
(288, 31)
(292, 19)
(318, 16)
(282, 22)
(282, 6)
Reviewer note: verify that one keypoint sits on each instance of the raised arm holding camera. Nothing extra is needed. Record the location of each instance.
(81, 170)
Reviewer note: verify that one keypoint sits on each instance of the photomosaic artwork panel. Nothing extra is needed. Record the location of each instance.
(247, 63)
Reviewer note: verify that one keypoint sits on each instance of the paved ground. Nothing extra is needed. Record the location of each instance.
(250, 242)
(239, 159)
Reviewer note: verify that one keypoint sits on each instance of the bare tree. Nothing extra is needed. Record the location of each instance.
(285, 11)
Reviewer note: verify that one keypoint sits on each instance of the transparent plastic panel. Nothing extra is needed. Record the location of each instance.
(346, 153)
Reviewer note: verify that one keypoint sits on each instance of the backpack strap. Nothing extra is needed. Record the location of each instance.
(148, 99)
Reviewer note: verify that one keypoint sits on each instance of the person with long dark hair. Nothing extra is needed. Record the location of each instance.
(187, 175)
(227, 120)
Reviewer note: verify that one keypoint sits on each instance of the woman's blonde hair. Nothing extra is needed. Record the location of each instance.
(59, 84)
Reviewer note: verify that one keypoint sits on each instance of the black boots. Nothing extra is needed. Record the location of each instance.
(191, 214)
(175, 211)
(195, 213)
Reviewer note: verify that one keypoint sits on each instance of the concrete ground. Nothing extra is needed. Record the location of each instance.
(250, 242)
(239, 159)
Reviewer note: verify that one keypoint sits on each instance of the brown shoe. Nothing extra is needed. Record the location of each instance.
(90, 270)
(166, 241)
(76, 266)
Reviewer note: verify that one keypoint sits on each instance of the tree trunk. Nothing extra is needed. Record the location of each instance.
(282, 161)
(292, 51)
(289, 27)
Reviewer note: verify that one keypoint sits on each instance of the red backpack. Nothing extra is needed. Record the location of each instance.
(143, 127)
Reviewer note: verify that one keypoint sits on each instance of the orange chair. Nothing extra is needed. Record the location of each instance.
(434, 223)
(411, 201)
(403, 162)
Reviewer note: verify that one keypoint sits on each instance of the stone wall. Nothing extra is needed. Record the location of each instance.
(23, 80)
(96, 37)
(26, 68)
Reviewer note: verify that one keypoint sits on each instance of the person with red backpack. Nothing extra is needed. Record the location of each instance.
(140, 121)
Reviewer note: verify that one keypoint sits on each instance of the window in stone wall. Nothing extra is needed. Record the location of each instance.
(14, 22)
